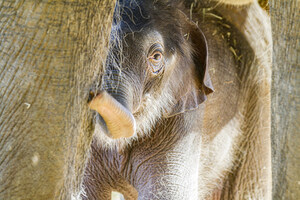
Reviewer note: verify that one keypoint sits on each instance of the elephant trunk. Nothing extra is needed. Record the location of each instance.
(119, 120)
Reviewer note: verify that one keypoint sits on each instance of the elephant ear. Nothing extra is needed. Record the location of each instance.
(199, 85)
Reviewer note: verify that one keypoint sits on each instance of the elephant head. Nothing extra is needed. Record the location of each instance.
(154, 69)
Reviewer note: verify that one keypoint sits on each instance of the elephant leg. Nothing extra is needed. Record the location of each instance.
(174, 179)
(94, 191)
(98, 190)
(102, 175)
(169, 173)
(96, 182)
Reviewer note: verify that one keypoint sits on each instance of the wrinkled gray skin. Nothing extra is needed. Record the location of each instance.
(189, 142)
(50, 52)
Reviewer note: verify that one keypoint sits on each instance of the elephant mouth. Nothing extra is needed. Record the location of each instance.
(115, 119)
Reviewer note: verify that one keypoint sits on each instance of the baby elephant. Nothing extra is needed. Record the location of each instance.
(183, 104)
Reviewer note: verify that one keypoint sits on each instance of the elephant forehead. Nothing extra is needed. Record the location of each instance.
(141, 23)
(142, 39)
(131, 17)
(151, 37)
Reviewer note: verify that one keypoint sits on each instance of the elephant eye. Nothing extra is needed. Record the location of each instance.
(155, 58)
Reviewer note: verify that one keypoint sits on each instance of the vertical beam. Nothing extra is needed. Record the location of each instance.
(285, 18)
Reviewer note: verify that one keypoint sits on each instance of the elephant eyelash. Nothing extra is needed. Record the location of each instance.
(155, 47)
(155, 58)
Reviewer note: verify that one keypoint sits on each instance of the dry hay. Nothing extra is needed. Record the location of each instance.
(264, 4)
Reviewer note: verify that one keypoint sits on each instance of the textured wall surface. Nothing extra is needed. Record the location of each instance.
(285, 19)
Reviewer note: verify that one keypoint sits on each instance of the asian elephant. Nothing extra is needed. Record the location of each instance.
(50, 52)
(213, 146)
(183, 104)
